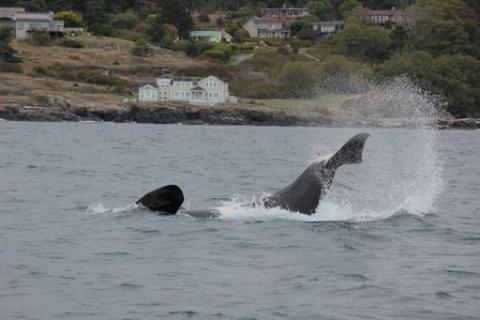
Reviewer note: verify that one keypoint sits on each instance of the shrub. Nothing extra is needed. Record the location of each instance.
(141, 49)
(41, 38)
(241, 35)
(256, 89)
(72, 43)
(40, 70)
(7, 53)
(217, 55)
(126, 20)
(364, 41)
(300, 80)
(203, 17)
(10, 67)
(71, 19)
(195, 48)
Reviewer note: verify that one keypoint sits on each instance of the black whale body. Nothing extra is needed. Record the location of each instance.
(301, 196)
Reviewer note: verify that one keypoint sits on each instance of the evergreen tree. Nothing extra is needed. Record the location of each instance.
(174, 12)
(7, 53)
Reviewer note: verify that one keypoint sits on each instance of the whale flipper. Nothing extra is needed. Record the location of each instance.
(166, 200)
(306, 191)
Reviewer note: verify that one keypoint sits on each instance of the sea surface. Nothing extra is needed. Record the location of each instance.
(397, 237)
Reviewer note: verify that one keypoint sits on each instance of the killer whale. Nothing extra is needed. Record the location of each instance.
(302, 195)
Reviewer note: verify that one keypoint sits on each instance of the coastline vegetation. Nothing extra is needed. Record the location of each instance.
(438, 49)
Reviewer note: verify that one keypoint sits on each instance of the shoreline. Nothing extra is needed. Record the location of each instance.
(197, 115)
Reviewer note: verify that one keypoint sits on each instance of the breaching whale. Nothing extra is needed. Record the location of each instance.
(302, 195)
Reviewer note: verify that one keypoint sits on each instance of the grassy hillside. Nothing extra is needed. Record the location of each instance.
(103, 71)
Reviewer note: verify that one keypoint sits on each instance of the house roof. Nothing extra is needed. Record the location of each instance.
(197, 88)
(36, 16)
(205, 33)
(148, 87)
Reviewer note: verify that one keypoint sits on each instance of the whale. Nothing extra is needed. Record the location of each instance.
(302, 196)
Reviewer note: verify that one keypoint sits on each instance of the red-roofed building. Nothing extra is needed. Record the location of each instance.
(382, 16)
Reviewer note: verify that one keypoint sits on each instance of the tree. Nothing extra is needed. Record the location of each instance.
(321, 8)
(157, 30)
(297, 25)
(443, 27)
(142, 49)
(7, 53)
(455, 77)
(300, 80)
(348, 6)
(34, 5)
(174, 12)
(127, 20)
(364, 41)
(71, 19)
(96, 18)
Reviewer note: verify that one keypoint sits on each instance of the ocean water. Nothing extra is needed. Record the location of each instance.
(397, 237)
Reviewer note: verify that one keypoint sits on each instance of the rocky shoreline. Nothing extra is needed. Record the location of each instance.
(232, 115)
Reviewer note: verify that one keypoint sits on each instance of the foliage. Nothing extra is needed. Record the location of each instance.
(297, 25)
(300, 79)
(444, 27)
(307, 33)
(71, 19)
(34, 5)
(10, 67)
(456, 77)
(256, 89)
(141, 49)
(364, 41)
(157, 29)
(175, 12)
(7, 53)
(348, 6)
(126, 20)
(204, 17)
(41, 38)
(195, 48)
(321, 8)
(72, 43)
(85, 74)
(221, 55)
(241, 35)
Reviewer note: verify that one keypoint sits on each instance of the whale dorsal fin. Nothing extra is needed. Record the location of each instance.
(350, 153)
(166, 200)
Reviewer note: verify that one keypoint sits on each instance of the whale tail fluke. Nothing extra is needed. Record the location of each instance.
(165, 200)
(350, 153)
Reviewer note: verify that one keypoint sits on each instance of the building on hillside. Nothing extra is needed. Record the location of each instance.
(26, 23)
(383, 16)
(284, 12)
(209, 90)
(327, 28)
(211, 35)
(267, 28)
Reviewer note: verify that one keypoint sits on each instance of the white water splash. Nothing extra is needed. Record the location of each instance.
(401, 171)
(100, 209)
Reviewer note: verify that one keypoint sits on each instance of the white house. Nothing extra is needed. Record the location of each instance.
(267, 28)
(383, 16)
(211, 35)
(327, 28)
(285, 12)
(209, 90)
(25, 23)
